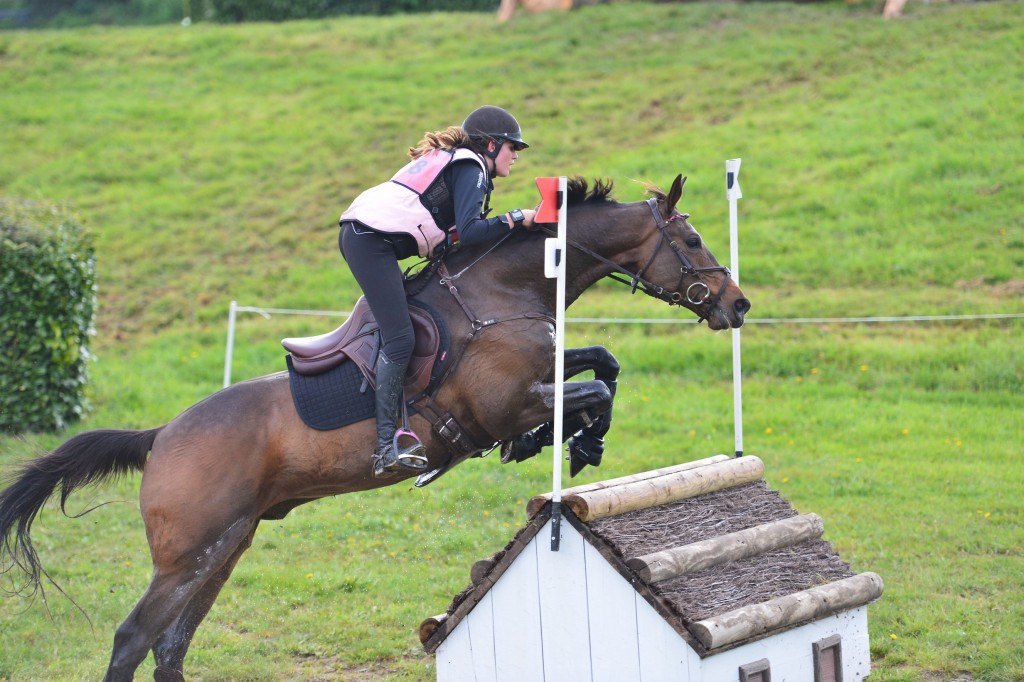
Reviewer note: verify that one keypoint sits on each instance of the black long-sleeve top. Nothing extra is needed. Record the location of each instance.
(469, 187)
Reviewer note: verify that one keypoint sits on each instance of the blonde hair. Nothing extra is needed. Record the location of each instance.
(449, 138)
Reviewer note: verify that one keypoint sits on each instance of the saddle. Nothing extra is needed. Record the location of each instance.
(358, 341)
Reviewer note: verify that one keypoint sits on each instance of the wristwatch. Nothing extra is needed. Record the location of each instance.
(516, 217)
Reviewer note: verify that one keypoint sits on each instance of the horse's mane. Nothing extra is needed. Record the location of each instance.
(652, 190)
(580, 193)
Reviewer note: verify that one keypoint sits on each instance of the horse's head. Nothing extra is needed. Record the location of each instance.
(676, 266)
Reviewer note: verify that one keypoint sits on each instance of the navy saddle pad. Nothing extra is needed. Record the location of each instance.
(335, 398)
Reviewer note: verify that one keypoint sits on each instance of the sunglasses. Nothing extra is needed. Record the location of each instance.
(516, 146)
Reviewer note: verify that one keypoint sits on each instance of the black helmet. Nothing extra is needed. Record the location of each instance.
(494, 123)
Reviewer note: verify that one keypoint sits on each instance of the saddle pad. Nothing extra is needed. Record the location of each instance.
(332, 399)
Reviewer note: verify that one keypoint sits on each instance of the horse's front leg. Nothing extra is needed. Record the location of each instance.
(587, 406)
(587, 445)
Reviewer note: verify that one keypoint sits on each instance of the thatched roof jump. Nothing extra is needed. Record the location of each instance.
(722, 557)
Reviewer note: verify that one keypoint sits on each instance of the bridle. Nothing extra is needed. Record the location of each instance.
(698, 293)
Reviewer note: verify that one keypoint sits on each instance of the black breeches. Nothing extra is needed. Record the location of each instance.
(371, 258)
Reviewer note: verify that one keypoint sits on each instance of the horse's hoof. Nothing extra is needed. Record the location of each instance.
(527, 445)
(584, 449)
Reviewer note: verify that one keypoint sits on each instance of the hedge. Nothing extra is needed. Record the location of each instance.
(283, 10)
(47, 307)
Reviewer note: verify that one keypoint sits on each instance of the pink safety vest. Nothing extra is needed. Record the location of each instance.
(399, 205)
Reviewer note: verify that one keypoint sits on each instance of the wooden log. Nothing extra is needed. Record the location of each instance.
(816, 602)
(697, 556)
(539, 501)
(599, 504)
(481, 569)
(430, 626)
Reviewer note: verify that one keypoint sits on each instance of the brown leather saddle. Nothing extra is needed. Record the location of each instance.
(358, 341)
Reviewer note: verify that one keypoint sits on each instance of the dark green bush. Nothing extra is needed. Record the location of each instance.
(268, 10)
(47, 305)
(283, 10)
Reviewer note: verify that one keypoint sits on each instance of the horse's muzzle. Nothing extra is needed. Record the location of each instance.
(727, 315)
(740, 307)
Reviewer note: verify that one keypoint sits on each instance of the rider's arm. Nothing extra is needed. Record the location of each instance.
(469, 189)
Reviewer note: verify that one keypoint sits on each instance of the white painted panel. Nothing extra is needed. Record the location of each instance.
(517, 634)
(615, 651)
(480, 624)
(856, 644)
(451, 659)
(562, 582)
(663, 653)
(790, 652)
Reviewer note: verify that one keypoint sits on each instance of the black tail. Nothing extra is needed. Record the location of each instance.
(86, 458)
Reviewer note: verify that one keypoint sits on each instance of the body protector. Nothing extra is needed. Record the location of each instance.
(416, 201)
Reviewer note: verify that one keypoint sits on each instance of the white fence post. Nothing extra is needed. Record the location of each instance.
(733, 194)
(232, 313)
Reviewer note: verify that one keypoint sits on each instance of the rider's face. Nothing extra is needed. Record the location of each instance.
(506, 157)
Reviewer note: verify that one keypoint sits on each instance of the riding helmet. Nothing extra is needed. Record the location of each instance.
(494, 123)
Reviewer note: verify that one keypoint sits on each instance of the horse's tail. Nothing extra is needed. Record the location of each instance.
(85, 458)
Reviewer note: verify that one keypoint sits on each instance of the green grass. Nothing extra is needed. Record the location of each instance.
(881, 177)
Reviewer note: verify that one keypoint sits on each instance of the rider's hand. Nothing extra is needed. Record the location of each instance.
(528, 219)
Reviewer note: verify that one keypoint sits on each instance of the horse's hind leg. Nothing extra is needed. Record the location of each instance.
(171, 647)
(167, 597)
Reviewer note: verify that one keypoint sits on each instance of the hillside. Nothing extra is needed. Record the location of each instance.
(212, 161)
(881, 176)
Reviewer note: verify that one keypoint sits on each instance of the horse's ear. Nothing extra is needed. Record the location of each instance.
(675, 193)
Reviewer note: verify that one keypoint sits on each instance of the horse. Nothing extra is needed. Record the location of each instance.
(508, 7)
(242, 455)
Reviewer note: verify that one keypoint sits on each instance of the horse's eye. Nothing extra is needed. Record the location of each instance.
(693, 242)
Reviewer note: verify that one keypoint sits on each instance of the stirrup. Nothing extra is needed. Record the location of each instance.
(415, 456)
(394, 459)
(412, 457)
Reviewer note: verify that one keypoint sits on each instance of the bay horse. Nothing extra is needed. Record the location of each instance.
(211, 474)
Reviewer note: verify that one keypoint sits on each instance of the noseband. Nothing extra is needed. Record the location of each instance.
(697, 294)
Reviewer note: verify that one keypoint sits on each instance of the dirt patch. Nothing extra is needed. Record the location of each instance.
(1008, 289)
(336, 669)
(958, 676)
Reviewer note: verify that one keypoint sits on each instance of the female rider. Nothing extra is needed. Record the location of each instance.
(438, 198)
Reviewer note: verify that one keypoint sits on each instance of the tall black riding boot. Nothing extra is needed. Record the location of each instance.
(389, 456)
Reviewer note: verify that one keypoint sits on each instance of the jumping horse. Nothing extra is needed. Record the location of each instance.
(215, 471)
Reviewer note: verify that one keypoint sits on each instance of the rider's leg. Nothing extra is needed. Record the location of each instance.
(390, 454)
(372, 259)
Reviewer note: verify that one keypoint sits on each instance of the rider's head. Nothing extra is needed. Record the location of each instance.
(489, 124)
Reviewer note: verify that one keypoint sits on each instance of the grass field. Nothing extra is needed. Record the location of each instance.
(881, 177)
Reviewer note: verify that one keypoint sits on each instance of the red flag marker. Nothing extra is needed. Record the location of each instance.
(550, 202)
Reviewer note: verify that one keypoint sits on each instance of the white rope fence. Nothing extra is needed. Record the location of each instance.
(803, 320)
(269, 312)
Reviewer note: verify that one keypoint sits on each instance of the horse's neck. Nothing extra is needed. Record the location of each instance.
(605, 242)
(516, 268)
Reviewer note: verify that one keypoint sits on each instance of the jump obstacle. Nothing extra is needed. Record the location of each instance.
(692, 573)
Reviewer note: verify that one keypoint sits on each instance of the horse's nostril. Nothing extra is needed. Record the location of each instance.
(742, 306)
